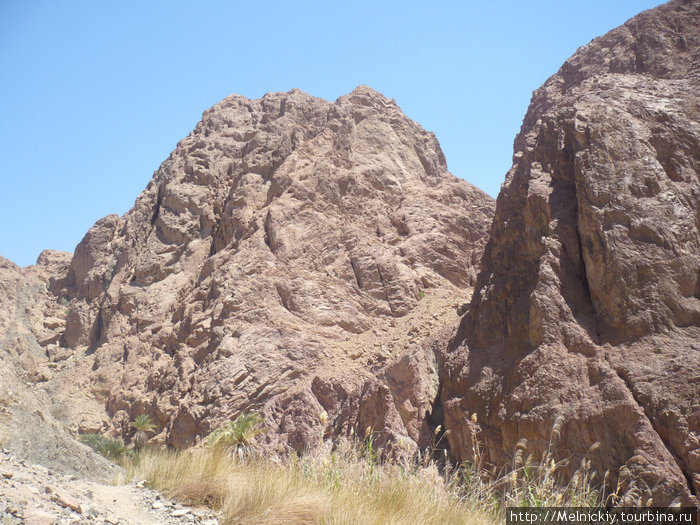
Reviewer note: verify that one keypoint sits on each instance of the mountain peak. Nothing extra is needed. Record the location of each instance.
(280, 229)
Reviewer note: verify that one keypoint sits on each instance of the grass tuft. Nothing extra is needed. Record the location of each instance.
(351, 485)
(329, 488)
(110, 448)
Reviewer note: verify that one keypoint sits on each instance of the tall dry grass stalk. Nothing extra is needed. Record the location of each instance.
(326, 488)
(532, 482)
(348, 486)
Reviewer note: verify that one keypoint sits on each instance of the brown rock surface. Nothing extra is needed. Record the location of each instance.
(32, 422)
(289, 257)
(587, 308)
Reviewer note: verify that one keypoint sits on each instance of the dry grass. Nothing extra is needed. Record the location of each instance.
(534, 483)
(348, 486)
(338, 488)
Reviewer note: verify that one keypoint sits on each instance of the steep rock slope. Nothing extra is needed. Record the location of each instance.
(584, 326)
(276, 262)
(31, 322)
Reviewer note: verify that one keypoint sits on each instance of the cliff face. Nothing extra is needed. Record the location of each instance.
(584, 326)
(295, 256)
(289, 257)
(31, 322)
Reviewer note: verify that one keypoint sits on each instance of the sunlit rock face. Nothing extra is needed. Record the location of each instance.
(584, 330)
(289, 257)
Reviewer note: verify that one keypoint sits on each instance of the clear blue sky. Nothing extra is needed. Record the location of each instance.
(95, 95)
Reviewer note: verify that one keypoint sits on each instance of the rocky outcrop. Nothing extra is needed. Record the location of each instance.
(289, 257)
(32, 423)
(584, 327)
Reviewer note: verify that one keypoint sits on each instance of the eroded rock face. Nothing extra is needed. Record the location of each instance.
(31, 323)
(586, 314)
(289, 257)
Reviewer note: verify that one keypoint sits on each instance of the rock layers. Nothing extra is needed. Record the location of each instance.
(289, 257)
(583, 334)
(303, 259)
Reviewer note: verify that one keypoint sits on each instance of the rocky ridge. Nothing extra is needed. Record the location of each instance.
(584, 330)
(32, 420)
(295, 256)
(289, 257)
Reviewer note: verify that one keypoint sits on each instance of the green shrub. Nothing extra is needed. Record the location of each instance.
(238, 434)
(143, 425)
(111, 448)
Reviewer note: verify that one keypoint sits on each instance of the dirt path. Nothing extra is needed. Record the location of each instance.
(34, 495)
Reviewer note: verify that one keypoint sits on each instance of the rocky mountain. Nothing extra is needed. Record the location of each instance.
(304, 259)
(584, 330)
(289, 257)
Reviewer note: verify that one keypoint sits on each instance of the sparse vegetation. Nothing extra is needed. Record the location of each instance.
(341, 487)
(238, 436)
(143, 425)
(110, 448)
(351, 484)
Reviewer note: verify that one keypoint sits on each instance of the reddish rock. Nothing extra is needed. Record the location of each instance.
(65, 501)
(586, 312)
(274, 249)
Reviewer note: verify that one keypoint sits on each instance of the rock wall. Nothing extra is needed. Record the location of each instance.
(289, 257)
(32, 422)
(583, 334)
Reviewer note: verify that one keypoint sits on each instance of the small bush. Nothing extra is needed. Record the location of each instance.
(110, 448)
(238, 434)
(143, 425)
